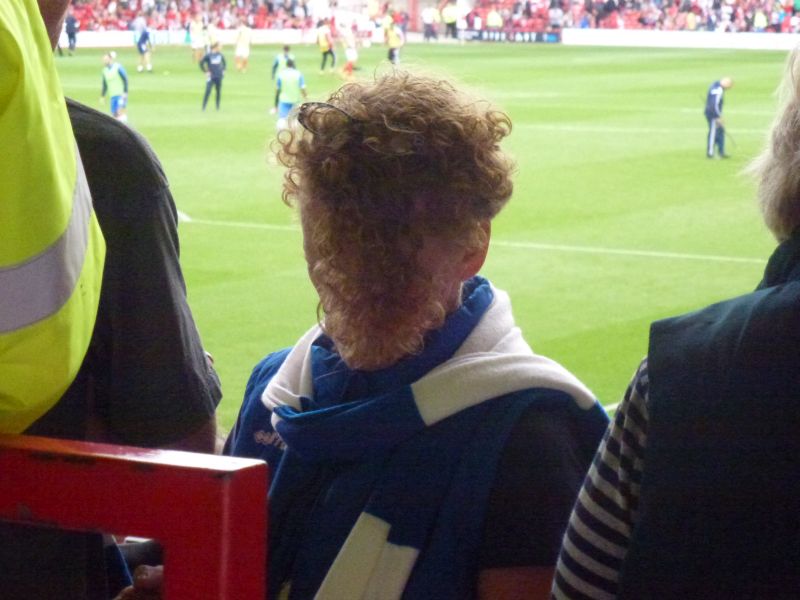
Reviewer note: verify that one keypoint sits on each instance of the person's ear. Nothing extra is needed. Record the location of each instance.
(473, 260)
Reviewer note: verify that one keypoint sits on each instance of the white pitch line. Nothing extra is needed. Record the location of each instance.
(244, 225)
(525, 245)
(616, 129)
(624, 252)
(183, 217)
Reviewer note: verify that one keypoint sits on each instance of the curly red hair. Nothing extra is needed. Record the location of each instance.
(378, 170)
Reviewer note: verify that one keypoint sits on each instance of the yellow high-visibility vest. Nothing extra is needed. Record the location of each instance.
(450, 13)
(51, 247)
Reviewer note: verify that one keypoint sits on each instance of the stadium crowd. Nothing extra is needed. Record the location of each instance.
(102, 15)
(508, 15)
(672, 15)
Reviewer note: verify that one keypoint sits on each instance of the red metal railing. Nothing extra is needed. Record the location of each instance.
(208, 512)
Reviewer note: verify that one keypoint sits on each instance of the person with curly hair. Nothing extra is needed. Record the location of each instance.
(418, 446)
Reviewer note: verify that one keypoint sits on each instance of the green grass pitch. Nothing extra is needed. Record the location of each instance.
(617, 218)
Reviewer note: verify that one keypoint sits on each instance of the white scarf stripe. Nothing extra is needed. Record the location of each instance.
(493, 361)
(392, 572)
(293, 379)
(368, 566)
(472, 379)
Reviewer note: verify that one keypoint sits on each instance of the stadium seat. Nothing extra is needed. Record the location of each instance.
(208, 512)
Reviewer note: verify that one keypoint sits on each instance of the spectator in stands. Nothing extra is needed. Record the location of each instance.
(416, 391)
(494, 20)
(694, 491)
(212, 32)
(430, 19)
(402, 18)
(51, 246)
(145, 379)
(422, 143)
(736, 15)
(760, 21)
(450, 19)
(556, 16)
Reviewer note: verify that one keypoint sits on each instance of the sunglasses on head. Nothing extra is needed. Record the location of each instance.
(308, 109)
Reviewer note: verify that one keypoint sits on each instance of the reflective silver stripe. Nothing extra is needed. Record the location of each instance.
(37, 288)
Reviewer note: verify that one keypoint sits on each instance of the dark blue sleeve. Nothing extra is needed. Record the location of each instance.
(253, 436)
(203, 63)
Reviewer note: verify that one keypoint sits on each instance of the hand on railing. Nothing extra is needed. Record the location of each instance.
(147, 583)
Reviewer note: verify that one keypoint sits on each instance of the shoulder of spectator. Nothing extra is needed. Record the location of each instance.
(124, 155)
(542, 465)
(244, 439)
(599, 529)
(262, 373)
(634, 406)
(625, 441)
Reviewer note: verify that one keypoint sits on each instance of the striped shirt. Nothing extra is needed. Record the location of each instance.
(599, 529)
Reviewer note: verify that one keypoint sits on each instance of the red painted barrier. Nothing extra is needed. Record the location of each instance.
(209, 512)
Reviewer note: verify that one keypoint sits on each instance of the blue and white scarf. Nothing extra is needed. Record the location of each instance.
(425, 423)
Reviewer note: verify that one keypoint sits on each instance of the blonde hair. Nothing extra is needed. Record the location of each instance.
(777, 168)
(377, 170)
